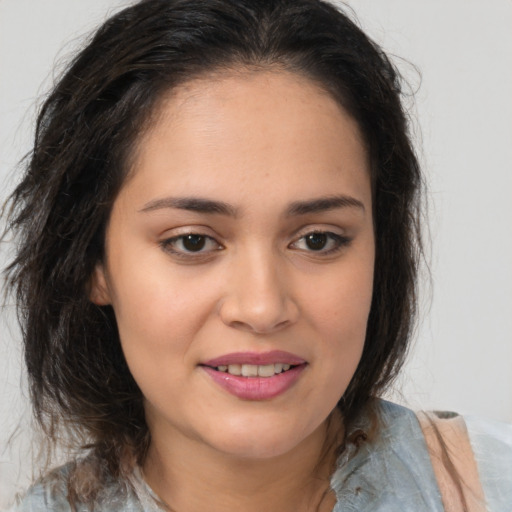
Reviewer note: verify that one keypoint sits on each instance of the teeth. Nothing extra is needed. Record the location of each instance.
(235, 369)
(254, 370)
(266, 370)
(249, 370)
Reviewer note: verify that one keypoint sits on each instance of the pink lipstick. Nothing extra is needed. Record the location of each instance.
(255, 376)
(275, 356)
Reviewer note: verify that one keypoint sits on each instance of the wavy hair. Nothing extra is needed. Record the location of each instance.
(86, 135)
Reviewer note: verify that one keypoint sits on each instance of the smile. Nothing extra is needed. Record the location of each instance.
(253, 370)
(255, 376)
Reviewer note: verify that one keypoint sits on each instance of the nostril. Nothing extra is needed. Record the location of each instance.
(238, 325)
(259, 327)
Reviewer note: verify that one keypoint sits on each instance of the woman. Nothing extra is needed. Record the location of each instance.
(220, 278)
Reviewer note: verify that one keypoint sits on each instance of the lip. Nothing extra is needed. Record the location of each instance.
(255, 388)
(272, 357)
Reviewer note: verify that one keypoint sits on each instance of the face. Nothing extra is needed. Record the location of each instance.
(239, 262)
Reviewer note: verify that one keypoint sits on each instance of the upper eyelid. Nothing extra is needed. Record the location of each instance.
(184, 230)
(306, 230)
(178, 232)
(323, 232)
(188, 233)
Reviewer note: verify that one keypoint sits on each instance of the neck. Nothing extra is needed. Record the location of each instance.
(188, 476)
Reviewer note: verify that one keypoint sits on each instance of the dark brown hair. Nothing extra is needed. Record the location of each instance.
(86, 132)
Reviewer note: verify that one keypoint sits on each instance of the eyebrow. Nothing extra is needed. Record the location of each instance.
(194, 204)
(323, 204)
(210, 206)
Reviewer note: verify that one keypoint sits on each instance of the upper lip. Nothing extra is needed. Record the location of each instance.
(262, 358)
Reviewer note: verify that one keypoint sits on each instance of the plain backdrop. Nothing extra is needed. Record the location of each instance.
(462, 120)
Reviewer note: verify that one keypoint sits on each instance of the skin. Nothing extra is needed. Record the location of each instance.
(258, 142)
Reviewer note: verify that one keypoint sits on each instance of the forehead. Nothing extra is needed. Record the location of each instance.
(251, 133)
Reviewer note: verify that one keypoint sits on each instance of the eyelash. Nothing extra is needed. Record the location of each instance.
(338, 241)
(168, 244)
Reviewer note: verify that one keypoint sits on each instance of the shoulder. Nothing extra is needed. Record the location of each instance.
(398, 463)
(48, 493)
(470, 456)
(390, 469)
(52, 493)
(491, 443)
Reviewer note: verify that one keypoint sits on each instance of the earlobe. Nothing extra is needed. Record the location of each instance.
(98, 292)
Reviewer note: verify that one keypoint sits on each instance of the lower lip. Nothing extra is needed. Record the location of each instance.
(256, 388)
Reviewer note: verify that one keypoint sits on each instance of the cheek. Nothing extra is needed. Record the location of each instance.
(344, 332)
(342, 301)
(339, 309)
(157, 315)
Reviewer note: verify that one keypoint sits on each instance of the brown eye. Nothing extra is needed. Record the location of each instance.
(193, 243)
(190, 245)
(316, 241)
(321, 242)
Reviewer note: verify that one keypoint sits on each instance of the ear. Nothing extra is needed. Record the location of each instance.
(99, 293)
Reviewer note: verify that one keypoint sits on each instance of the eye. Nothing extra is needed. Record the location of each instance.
(190, 244)
(324, 242)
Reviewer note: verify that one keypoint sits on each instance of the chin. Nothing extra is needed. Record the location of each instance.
(261, 439)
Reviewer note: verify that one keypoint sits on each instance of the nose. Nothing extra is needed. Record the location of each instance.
(259, 297)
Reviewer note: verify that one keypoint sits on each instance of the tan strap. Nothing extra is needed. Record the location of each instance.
(453, 462)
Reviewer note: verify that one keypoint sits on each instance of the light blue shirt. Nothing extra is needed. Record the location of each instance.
(392, 473)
